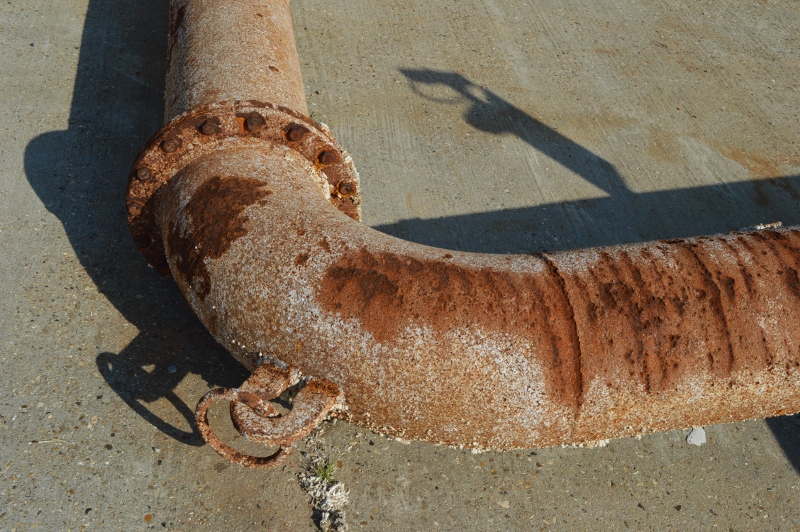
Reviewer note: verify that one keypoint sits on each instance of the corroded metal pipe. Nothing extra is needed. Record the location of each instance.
(254, 218)
(232, 50)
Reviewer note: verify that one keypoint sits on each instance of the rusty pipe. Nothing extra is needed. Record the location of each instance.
(232, 50)
(257, 226)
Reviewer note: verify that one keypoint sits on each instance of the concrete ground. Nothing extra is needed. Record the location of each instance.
(481, 125)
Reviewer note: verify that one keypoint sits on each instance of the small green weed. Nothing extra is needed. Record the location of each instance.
(325, 470)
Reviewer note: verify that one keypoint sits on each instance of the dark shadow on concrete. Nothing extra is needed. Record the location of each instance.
(80, 175)
(622, 217)
(490, 113)
(787, 432)
(604, 221)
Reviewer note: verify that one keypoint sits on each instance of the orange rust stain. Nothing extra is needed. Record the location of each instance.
(664, 321)
(606, 51)
(640, 318)
(662, 146)
(630, 320)
(240, 120)
(759, 165)
(216, 211)
(388, 292)
(766, 167)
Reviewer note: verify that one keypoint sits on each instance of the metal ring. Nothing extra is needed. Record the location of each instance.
(205, 129)
(230, 454)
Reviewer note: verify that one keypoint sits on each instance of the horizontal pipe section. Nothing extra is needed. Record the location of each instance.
(489, 351)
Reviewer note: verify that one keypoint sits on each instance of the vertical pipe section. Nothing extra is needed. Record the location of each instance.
(228, 51)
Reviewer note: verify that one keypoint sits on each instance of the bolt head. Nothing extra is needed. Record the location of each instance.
(296, 133)
(346, 188)
(209, 128)
(169, 145)
(144, 174)
(327, 157)
(255, 122)
(134, 209)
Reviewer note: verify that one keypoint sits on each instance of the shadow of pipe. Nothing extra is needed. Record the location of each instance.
(80, 175)
(490, 113)
(604, 222)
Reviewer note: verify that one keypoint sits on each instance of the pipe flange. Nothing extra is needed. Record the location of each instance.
(208, 128)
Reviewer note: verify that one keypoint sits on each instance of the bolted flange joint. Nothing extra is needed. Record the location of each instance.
(224, 125)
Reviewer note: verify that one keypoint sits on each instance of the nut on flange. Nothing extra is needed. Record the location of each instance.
(201, 131)
(210, 126)
(254, 123)
(296, 133)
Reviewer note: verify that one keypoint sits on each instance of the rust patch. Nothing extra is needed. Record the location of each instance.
(572, 330)
(721, 357)
(765, 167)
(656, 323)
(387, 292)
(216, 211)
(301, 259)
(760, 166)
(323, 243)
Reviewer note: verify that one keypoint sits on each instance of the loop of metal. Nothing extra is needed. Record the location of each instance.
(258, 420)
(225, 125)
(310, 407)
(230, 454)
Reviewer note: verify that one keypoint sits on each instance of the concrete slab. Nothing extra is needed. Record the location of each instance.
(481, 125)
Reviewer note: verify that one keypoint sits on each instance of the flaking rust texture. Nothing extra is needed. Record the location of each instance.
(216, 213)
(491, 351)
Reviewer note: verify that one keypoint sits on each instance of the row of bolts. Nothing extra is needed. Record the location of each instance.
(254, 123)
